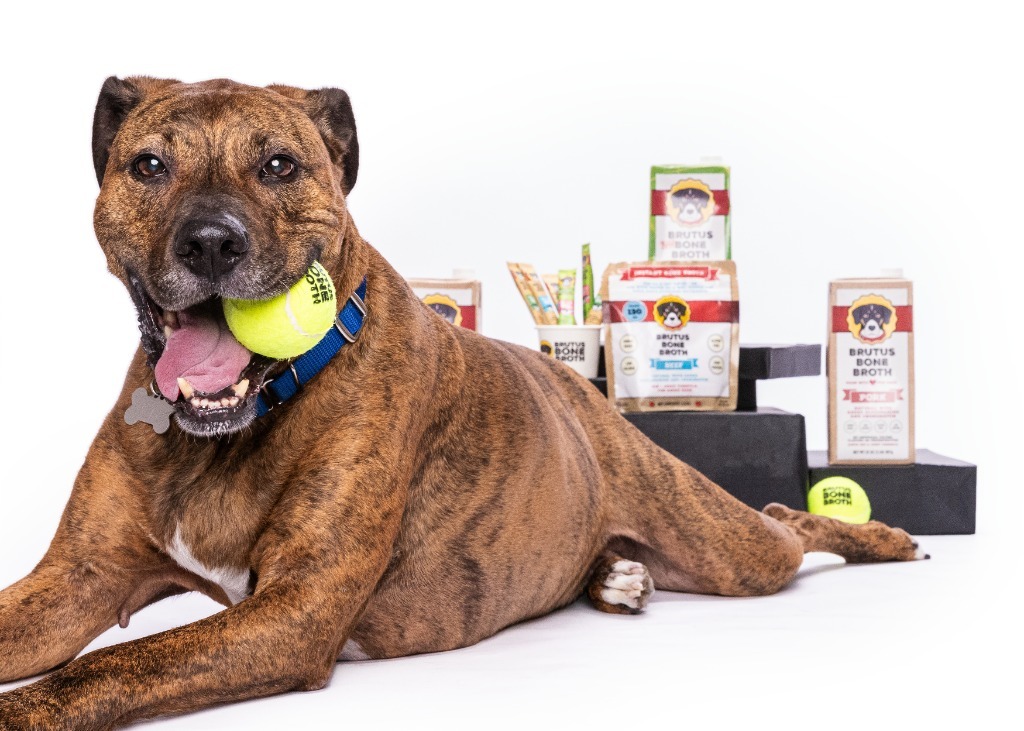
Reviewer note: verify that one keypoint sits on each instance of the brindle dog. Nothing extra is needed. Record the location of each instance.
(428, 488)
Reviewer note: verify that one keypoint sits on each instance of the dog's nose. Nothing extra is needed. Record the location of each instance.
(211, 246)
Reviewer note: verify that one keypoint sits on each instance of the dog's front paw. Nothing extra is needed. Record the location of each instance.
(621, 587)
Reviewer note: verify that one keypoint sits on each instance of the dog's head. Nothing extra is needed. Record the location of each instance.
(214, 190)
(871, 320)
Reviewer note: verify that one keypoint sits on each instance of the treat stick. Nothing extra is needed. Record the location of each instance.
(523, 285)
(551, 281)
(587, 283)
(549, 313)
(566, 296)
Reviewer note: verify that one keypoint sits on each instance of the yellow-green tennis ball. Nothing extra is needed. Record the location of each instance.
(840, 498)
(287, 325)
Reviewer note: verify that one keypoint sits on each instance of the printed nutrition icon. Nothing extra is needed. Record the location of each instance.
(691, 203)
(871, 319)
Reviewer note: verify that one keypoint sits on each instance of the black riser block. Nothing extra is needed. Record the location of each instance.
(935, 496)
(758, 456)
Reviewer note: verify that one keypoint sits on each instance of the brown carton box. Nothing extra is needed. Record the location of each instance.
(871, 372)
(456, 300)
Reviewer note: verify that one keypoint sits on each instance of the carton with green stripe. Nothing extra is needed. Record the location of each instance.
(690, 218)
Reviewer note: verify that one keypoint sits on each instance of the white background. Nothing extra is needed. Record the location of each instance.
(861, 136)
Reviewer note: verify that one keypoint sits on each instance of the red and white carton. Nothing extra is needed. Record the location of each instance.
(871, 371)
(457, 300)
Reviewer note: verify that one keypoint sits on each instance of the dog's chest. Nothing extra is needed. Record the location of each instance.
(234, 581)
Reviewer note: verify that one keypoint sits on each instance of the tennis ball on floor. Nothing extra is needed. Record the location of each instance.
(287, 325)
(840, 498)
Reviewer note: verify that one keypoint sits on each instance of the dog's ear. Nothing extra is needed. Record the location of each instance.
(117, 98)
(331, 112)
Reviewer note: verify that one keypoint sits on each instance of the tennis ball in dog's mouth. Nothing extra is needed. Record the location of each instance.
(840, 498)
(287, 325)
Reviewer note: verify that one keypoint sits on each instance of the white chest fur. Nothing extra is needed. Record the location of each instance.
(234, 582)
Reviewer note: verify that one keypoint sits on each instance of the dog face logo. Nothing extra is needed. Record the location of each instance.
(690, 203)
(671, 312)
(445, 306)
(547, 348)
(871, 318)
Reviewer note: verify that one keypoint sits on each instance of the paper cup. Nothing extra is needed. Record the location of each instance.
(578, 346)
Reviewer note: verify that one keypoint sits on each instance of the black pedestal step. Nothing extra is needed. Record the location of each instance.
(935, 496)
(758, 456)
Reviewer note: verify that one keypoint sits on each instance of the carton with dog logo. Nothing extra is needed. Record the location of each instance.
(690, 213)
(456, 300)
(672, 336)
(871, 372)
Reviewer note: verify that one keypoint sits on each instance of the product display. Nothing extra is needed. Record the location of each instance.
(690, 219)
(671, 336)
(457, 300)
(871, 371)
(287, 325)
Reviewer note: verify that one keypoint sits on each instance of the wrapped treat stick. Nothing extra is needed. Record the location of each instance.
(549, 313)
(587, 284)
(551, 281)
(567, 297)
(523, 284)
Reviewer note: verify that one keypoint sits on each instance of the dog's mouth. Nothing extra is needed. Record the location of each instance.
(198, 365)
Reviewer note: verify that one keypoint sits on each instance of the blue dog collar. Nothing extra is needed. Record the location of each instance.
(346, 329)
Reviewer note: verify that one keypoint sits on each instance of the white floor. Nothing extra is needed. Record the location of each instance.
(933, 644)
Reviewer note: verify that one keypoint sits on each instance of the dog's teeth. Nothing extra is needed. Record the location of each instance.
(233, 401)
(205, 403)
(195, 402)
(241, 387)
(167, 331)
(171, 318)
(225, 402)
(186, 388)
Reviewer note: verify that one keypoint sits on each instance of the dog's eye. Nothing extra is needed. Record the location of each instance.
(279, 167)
(149, 166)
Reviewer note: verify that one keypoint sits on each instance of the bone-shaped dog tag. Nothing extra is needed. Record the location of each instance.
(152, 410)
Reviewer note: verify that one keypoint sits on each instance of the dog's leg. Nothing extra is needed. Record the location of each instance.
(695, 537)
(868, 543)
(88, 573)
(327, 543)
(618, 586)
(51, 614)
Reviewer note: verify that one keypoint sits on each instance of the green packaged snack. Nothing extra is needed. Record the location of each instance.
(588, 283)
(566, 296)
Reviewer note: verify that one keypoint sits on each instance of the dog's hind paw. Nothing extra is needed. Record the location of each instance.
(619, 586)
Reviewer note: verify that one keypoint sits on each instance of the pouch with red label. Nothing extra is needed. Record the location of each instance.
(671, 336)
(871, 372)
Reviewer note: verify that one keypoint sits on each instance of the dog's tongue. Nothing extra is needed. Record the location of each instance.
(203, 351)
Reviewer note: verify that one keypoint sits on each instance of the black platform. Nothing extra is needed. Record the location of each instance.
(758, 456)
(935, 496)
